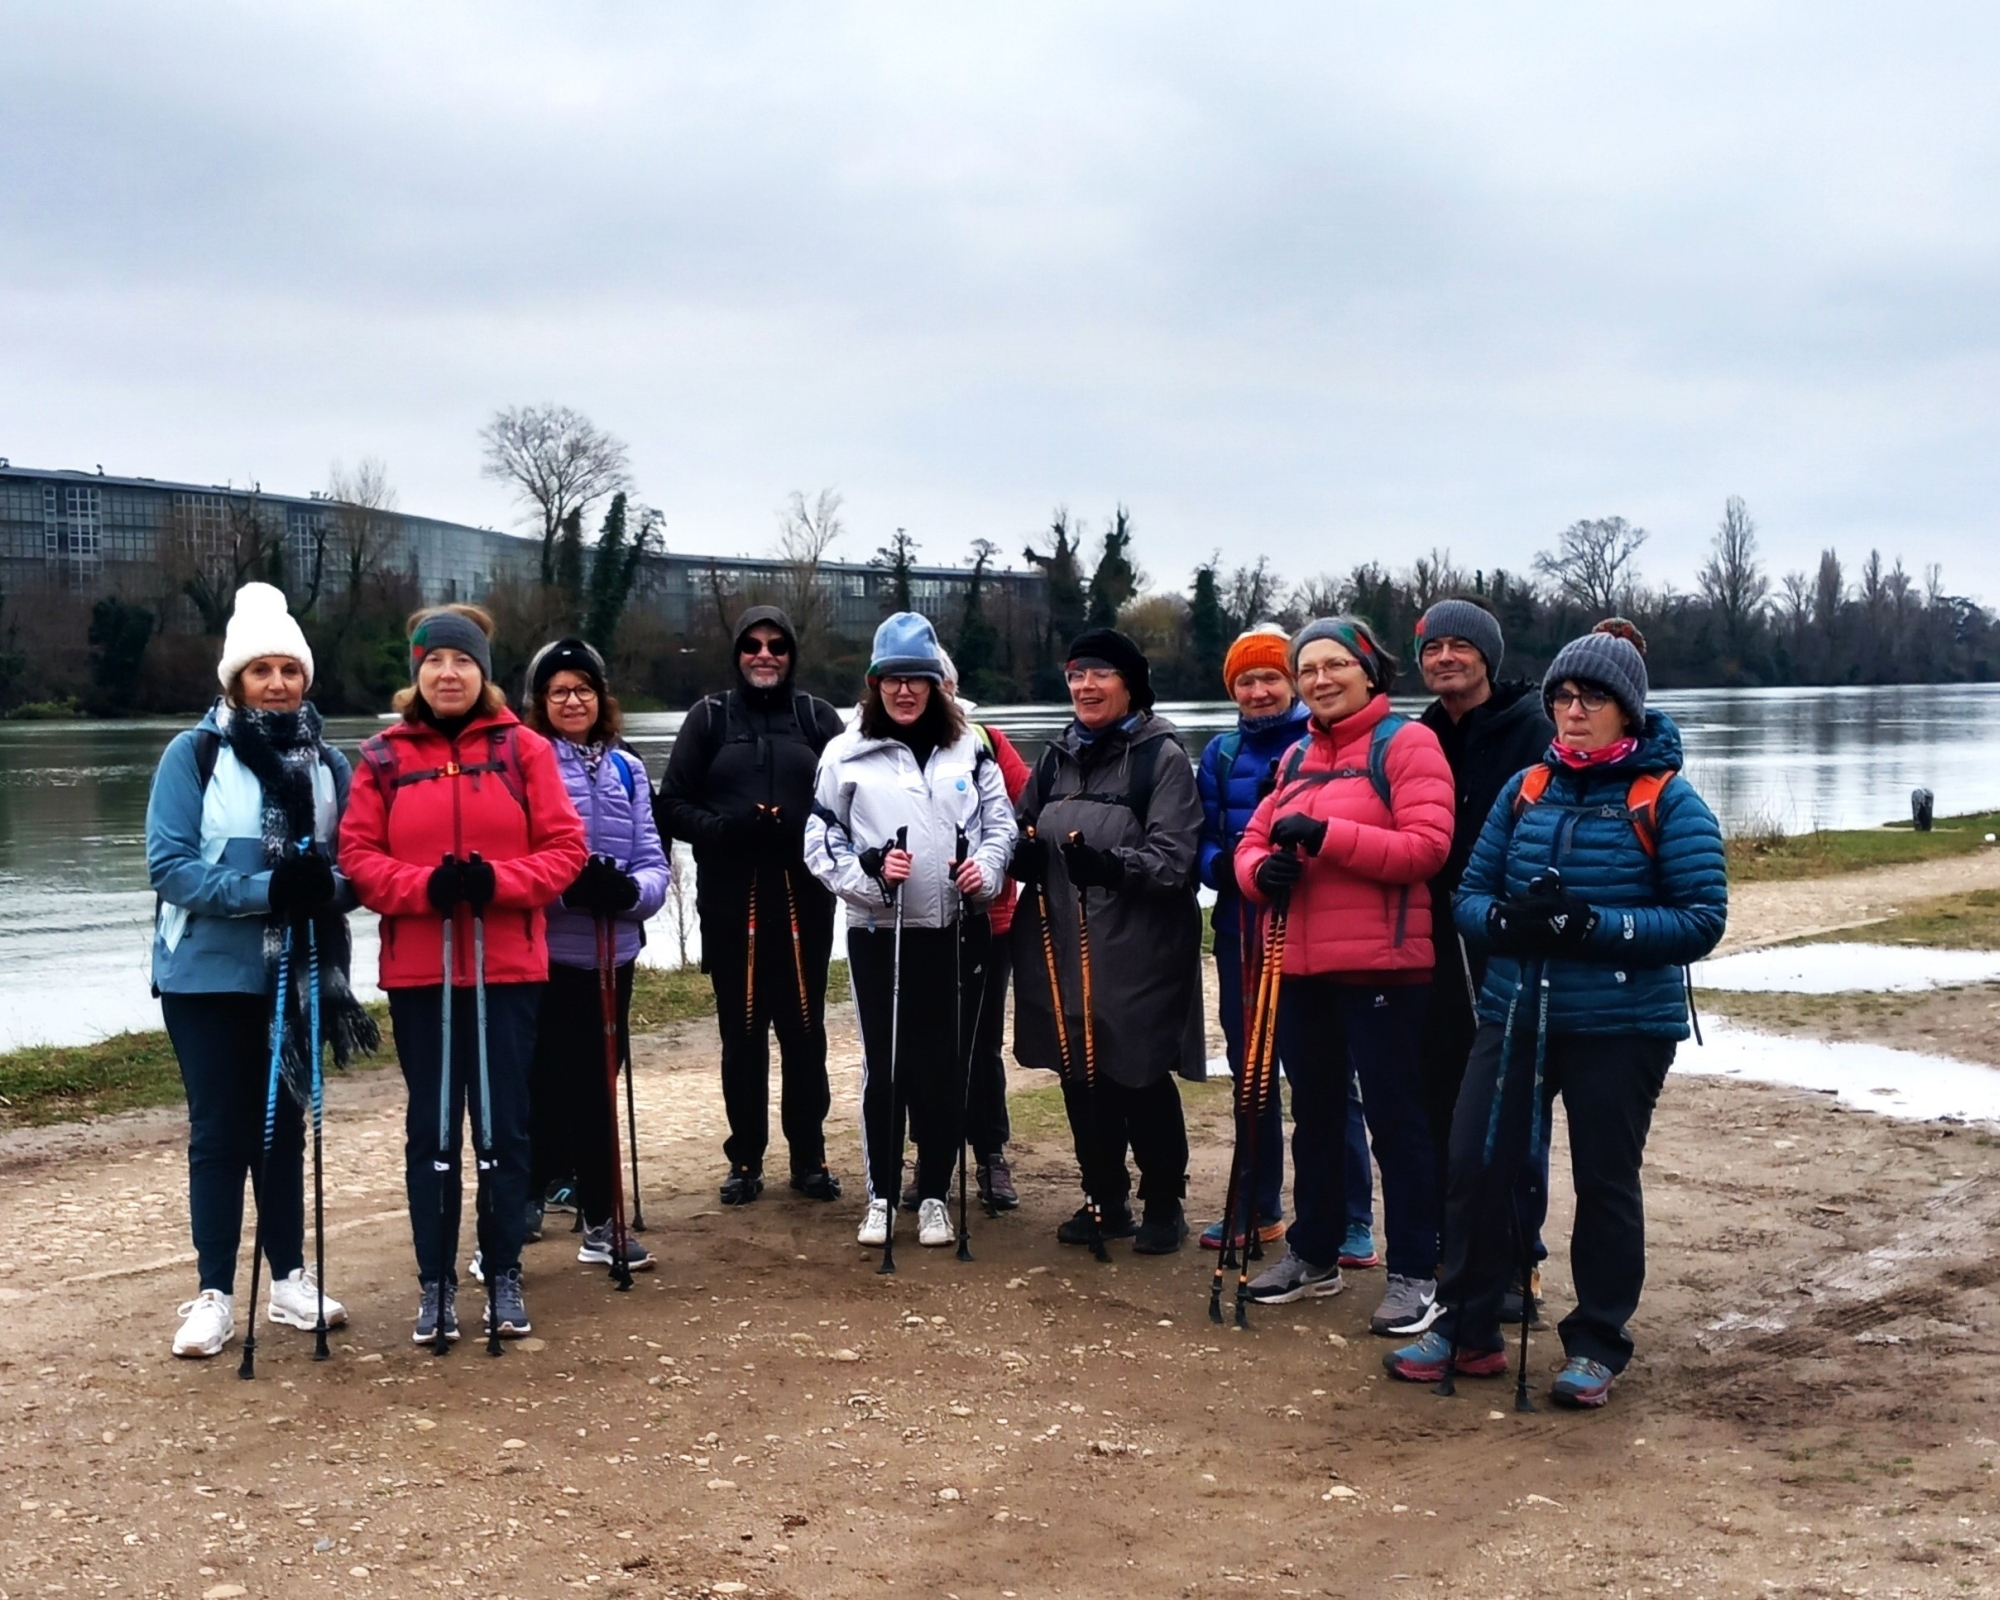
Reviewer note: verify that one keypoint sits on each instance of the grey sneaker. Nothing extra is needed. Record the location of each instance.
(440, 1302)
(1409, 1306)
(508, 1307)
(1293, 1279)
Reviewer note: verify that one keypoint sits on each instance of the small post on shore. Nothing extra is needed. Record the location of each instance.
(1922, 805)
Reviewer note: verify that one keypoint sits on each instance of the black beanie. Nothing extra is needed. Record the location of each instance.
(565, 655)
(1114, 650)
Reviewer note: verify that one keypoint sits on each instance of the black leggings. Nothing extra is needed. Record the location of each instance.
(573, 1100)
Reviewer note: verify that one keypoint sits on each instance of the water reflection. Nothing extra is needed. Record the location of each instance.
(1863, 1077)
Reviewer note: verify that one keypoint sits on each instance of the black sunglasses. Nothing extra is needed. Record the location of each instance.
(764, 647)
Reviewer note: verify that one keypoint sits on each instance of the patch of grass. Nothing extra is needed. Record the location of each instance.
(662, 997)
(1968, 921)
(1763, 855)
(1038, 1113)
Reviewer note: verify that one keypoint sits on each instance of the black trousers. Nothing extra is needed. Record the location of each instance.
(415, 1016)
(573, 1102)
(223, 1043)
(1148, 1122)
(747, 1015)
(925, 1081)
(1609, 1085)
(986, 1126)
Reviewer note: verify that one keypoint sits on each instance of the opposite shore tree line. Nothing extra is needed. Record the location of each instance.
(1874, 622)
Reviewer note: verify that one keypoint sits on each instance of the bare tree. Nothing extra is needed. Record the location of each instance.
(1433, 577)
(1593, 562)
(356, 532)
(211, 545)
(558, 462)
(1733, 580)
(805, 533)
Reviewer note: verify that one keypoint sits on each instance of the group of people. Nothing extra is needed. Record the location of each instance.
(1432, 926)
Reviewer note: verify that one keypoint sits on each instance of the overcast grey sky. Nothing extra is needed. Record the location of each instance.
(1319, 281)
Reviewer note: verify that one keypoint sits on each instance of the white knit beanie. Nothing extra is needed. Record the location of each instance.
(260, 625)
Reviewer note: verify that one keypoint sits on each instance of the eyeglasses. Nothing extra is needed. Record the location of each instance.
(894, 685)
(1327, 669)
(764, 647)
(1096, 677)
(564, 696)
(1589, 699)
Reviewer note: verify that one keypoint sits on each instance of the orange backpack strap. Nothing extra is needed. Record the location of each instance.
(1642, 800)
(1534, 784)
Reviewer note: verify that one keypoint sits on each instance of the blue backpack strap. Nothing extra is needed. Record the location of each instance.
(624, 765)
(1378, 755)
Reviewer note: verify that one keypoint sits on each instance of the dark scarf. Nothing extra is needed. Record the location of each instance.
(283, 751)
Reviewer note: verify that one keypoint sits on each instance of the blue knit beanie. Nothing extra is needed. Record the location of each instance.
(906, 646)
(1467, 620)
(1607, 660)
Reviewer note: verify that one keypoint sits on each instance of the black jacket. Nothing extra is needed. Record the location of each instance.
(736, 751)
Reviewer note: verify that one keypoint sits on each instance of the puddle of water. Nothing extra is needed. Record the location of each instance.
(1865, 1077)
(1848, 969)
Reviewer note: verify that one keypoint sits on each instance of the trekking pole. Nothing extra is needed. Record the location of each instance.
(792, 915)
(441, 1162)
(249, 1367)
(750, 968)
(1089, 1039)
(1239, 1096)
(895, 1024)
(482, 1203)
(1521, 1400)
(607, 1005)
(964, 1054)
(1261, 1067)
(638, 1222)
(320, 1350)
(1088, 1134)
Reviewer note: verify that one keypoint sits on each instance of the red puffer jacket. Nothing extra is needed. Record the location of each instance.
(1363, 905)
(392, 837)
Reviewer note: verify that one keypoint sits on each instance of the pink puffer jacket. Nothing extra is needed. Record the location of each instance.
(1363, 905)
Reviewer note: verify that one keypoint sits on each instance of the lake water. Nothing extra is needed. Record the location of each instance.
(75, 910)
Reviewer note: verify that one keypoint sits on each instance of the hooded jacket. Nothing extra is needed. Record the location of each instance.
(1656, 913)
(1363, 905)
(1229, 799)
(389, 847)
(616, 804)
(869, 788)
(1145, 935)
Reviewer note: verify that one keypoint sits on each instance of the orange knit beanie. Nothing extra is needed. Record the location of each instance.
(1265, 646)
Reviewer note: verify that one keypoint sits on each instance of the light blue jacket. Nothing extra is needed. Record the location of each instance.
(205, 857)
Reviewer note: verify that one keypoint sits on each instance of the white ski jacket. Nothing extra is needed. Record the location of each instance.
(868, 788)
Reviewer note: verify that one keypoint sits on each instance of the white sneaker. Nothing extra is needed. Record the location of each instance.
(207, 1324)
(874, 1226)
(933, 1223)
(295, 1301)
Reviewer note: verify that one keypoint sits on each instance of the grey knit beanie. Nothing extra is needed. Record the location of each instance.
(1361, 642)
(1604, 659)
(1467, 620)
(450, 630)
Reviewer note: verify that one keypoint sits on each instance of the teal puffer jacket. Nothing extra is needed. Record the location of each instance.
(1656, 913)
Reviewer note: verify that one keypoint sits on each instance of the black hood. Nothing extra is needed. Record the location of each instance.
(771, 616)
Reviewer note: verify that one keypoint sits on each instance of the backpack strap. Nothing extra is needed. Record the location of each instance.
(1642, 801)
(1534, 784)
(1376, 772)
(802, 714)
(503, 759)
(624, 765)
(1138, 799)
(207, 746)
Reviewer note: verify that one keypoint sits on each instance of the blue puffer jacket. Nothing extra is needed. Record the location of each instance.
(1656, 914)
(1229, 799)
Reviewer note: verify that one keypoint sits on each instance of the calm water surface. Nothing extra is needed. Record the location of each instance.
(75, 909)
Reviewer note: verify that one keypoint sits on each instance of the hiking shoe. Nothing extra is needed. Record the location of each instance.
(1293, 1278)
(1582, 1383)
(1269, 1231)
(477, 1266)
(1510, 1302)
(207, 1324)
(1425, 1361)
(1080, 1229)
(1409, 1306)
(742, 1186)
(440, 1302)
(531, 1223)
(910, 1194)
(295, 1301)
(820, 1185)
(561, 1196)
(996, 1182)
(505, 1304)
(934, 1224)
(1358, 1248)
(597, 1249)
(874, 1231)
(1163, 1232)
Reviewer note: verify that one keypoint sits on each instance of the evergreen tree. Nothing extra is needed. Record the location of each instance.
(1207, 627)
(897, 557)
(1114, 582)
(614, 569)
(569, 560)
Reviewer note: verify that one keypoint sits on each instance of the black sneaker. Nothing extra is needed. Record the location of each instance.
(439, 1301)
(996, 1183)
(561, 1196)
(1163, 1232)
(910, 1194)
(507, 1305)
(742, 1186)
(820, 1185)
(1510, 1302)
(1080, 1230)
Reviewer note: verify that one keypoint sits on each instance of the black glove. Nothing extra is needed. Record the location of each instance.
(1225, 870)
(601, 888)
(476, 884)
(872, 860)
(1547, 920)
(1092, 868)
(1279, 873)
(446, 889)
(1031, 861)
(1296, 828)
(301, 885)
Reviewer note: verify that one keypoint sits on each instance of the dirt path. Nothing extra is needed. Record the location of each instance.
(1811, 1412)
(1764, 913)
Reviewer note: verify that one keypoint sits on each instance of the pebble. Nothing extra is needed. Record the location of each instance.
(423, 1424)
(530, 1345)
(509, 1444)
(373, 1355)
(223, 1591)
(943, 1494)
(360, 1572)
(1340, 1491)
(844, 1355)
(722, 1483)
(322, 1544)
(727, 1586)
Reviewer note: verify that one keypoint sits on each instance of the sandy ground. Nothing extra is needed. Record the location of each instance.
(1811, 1412)
(1761, 913)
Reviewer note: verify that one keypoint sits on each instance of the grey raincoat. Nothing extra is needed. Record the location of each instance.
(1145, 936)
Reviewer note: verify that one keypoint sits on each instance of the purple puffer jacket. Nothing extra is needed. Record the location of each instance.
(618, 825)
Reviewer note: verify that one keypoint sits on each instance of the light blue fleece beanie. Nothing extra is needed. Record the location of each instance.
(906, 646)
